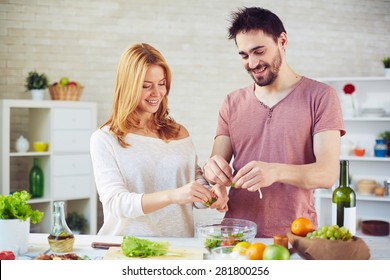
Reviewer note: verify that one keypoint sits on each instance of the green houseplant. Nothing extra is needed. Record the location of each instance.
(386, 64)
(15, 217)
(77, 222)
(385, 135)
(36, 83)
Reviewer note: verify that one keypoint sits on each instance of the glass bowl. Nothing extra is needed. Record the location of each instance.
(225, 232)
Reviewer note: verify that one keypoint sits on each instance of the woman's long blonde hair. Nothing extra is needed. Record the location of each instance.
(130, 76)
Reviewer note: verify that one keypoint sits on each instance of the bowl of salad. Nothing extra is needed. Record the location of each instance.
(225, 232)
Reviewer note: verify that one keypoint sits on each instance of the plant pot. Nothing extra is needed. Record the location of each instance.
(14, 235)
(387, 72)
(37, 94)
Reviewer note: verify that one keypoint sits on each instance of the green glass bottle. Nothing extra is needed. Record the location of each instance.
(36, 180)
(344, 201)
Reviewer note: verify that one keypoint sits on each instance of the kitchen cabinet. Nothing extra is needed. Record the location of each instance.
(66, 126)
(372, 95)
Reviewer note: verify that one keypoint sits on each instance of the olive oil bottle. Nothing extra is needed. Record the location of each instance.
(61, 238)
(344, 201)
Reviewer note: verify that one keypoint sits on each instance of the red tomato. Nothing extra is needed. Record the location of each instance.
(7, 255)
(228, 241)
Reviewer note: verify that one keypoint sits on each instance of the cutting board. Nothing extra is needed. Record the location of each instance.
(115, 253)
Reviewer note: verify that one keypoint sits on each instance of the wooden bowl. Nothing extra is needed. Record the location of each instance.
(376, 228)
(321, 249)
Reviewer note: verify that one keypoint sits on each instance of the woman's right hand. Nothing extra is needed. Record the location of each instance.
(190, 193)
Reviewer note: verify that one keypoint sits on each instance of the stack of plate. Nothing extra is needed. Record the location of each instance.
(373, 112)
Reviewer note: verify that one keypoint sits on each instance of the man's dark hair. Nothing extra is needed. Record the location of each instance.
(255, 18)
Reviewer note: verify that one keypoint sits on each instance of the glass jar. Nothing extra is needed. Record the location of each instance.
(380, 148)
(61, 238)
(36, 180)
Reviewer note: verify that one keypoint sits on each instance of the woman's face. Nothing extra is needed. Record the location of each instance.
(153, 90)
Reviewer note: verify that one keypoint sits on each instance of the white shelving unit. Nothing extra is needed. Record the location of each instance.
(371, 92)
(67, 168)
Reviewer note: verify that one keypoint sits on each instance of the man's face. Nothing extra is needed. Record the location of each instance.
(261, 56)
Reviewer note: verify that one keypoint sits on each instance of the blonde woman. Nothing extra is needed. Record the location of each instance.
(145, 164)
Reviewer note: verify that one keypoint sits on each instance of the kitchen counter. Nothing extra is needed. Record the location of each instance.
(379, 246)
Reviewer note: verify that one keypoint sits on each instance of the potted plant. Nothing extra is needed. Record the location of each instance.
(385, 135)
(76, 222)
(15, 218)
(386, 64)
(37, 83)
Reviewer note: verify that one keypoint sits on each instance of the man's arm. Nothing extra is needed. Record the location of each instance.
(320, 174)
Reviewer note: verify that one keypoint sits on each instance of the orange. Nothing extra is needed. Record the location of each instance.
(302, 226)
(255, 251)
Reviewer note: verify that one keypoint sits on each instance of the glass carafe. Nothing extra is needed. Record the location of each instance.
(61, 238)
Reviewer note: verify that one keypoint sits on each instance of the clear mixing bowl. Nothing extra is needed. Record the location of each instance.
(225, 232)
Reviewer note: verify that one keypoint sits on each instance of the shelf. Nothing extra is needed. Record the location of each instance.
(368, 119)
(362, 131)
(361, 197)
(366, 158)
(29, 154)
(350, 79)
(38, 200)
(66, 126)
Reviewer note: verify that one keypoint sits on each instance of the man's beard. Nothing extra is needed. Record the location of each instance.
(271, 76)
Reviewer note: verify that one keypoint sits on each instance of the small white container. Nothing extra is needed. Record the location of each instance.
(22, 145)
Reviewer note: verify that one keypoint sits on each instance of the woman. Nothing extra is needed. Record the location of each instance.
(145, 164)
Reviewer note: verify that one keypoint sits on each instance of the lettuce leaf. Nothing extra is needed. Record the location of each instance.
(136, 247)
(14, 206)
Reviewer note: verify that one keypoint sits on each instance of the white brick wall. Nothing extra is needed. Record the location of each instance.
(83, 39)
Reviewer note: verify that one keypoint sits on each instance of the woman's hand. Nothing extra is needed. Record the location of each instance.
(223, 198)
(191, 192)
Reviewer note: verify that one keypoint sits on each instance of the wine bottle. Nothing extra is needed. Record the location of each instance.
(344, 201)
(36, 180)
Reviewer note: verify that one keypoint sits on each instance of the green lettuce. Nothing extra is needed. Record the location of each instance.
(136, 247)
(14, 206)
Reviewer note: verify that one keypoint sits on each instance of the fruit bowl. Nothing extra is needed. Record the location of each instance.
(225, 232)
(67, 92)
(321, 249)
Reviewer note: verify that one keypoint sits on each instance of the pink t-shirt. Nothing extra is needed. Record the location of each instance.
(282, 134)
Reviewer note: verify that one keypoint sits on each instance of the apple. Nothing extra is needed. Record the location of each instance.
(72, 83)
(276, 252)
(64, 81)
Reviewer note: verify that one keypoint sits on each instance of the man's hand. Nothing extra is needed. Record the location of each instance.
(218, 171)
(255, 175)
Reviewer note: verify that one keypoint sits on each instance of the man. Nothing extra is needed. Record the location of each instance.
(283, 132)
